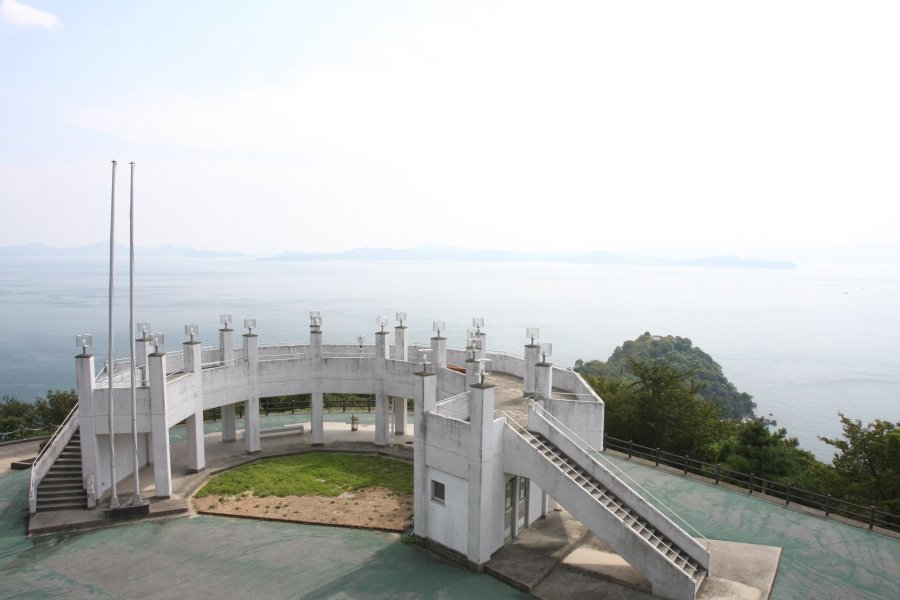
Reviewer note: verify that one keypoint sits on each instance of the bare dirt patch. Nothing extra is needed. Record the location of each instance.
(375, 508)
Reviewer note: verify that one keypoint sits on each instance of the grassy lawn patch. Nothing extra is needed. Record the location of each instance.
(312, 474)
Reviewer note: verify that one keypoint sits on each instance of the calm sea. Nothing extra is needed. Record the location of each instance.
(805, 343)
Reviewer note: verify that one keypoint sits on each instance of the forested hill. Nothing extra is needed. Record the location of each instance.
(681, 354)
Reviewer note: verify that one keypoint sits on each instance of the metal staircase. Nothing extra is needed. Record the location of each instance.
(62, 488)
(619, 509)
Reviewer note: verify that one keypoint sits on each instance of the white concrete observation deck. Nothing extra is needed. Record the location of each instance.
(488, 460)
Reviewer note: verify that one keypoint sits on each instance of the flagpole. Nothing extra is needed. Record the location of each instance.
(136, 498)
(113, 499)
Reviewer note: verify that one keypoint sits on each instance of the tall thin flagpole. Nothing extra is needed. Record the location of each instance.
(113, 499)
(136, 498)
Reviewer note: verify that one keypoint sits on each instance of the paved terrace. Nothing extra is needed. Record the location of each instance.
(236, 558)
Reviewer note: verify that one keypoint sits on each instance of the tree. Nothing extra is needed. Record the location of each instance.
(659, 407)
(868, 463)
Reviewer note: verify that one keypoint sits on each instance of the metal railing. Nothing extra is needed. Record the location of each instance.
(784, 491)
(49, 453)
(625, 477)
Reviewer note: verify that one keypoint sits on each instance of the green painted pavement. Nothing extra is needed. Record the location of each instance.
(221, 557)
(821, 559)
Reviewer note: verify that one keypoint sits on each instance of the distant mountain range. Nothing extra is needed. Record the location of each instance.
(598, 257)
(424, 253)
(101, 249)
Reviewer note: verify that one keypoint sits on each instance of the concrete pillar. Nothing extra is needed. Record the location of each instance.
(141, 352)
(382, 403)
(471, 372)
(159, 429)
(481, 337)
(381, 347)
(532, 357)
(423, 403)
(401, 351)
(251, 404)
(543, 381)
(317, 418)
(84, 382)
(315, 344)
(399, 415)
(439, 352)
(381, 417)
(482, 520)
(226, 353)
(196, 451)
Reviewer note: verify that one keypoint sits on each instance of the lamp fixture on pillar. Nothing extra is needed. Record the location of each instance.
(470, 350)
(424, 354)
(191, 329)
(478, 323)
(250, 325)
(143, 328)
(315, 321)
(225, 320)
(484, 368)
(401, 316)
(84, 341)
(438, 327)
(157, 340)
(381, 322)
(546, 350)
(533, 333)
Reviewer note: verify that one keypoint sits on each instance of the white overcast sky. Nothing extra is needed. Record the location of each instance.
(765, 129)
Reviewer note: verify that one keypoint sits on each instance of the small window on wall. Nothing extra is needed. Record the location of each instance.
(437, 491)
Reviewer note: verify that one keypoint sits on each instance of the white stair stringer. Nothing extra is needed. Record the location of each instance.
(675, 572)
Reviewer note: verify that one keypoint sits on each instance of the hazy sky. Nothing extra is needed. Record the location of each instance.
(765, 129)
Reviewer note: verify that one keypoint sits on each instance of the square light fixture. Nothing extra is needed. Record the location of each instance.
(84, 341)
(546, 350)
(158, 340)
(225, 320)
(401, 316)
(249, 325)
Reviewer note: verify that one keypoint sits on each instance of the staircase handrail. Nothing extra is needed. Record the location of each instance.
(594, 453)
(49, 453)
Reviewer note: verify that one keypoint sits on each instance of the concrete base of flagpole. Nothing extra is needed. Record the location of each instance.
(124, 513)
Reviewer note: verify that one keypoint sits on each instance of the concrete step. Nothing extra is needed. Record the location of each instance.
(67, 505)
(62, 477)
(60, 492)
(60, 498)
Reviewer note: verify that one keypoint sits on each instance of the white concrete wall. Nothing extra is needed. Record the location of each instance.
(507, 363)
(450, 383)
(124, 462)
(583, 417)
(446, 522)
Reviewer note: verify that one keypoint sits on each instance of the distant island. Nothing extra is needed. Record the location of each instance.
(422, 253)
